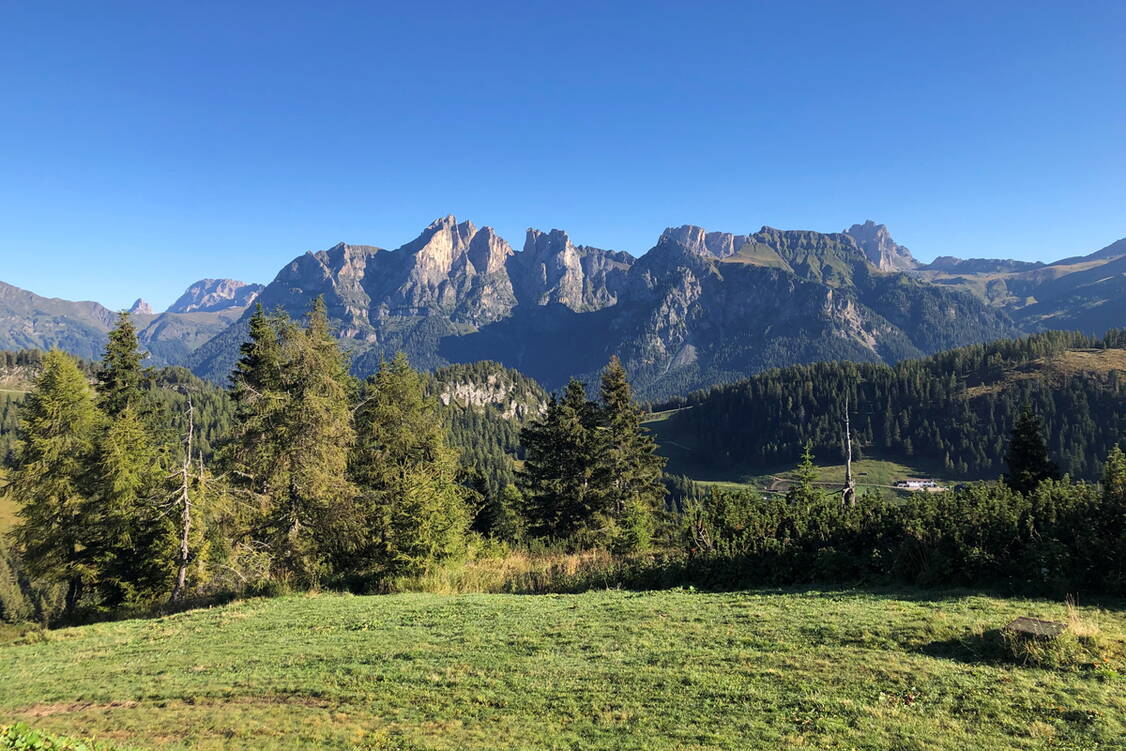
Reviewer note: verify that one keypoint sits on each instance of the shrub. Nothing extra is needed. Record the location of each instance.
(20, 737)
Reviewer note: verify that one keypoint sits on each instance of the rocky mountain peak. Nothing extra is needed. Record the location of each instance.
(209, 295)
(883, 252)
(701, 242)
(540, 243)
(141, 308)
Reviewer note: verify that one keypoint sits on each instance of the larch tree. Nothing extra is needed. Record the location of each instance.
(50, 481)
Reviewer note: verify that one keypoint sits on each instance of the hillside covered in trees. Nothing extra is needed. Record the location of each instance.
(957, 407)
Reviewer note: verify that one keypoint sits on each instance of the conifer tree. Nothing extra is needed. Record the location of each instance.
(293, 436)
(1114, 481)
(127, 536)
(198, 501)
(805, 489)
(121, 378)
(627, 469)
(413, 511)
(316, 437)
(51, 481)
(1027, 457)
(559, 466)
(258, 392)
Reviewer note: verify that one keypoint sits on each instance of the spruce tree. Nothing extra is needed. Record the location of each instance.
(128, 539)
(258, 392)
(557, 477)
(413, 512)
(1027, 456)
(121, 378)
(316, 438)
(804, 490)
(627, 469)
(50, 481)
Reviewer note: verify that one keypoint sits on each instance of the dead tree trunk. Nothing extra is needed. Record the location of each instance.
(849, 494)
(185, 500)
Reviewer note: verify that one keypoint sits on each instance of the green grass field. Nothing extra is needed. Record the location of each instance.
(603, 670)
(870, 473)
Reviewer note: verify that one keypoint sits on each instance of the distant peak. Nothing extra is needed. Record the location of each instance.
(140, 307)
(880, 249)
(209, 295)
(701, 242)
(546, 243)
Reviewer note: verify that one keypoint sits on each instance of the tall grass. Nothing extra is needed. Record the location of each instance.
(520, 572)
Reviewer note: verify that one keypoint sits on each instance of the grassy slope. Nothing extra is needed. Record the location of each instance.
(870, 473)
(858, 670)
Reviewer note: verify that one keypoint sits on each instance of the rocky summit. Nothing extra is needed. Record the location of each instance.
(210, 295)
(699, 307)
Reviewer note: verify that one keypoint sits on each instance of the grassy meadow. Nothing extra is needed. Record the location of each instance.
(870, 473)
(676, 669)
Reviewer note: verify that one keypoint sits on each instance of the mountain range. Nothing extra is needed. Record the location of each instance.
(698, 308)
(208, 307)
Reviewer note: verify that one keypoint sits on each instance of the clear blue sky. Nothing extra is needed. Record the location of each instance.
(148, 144)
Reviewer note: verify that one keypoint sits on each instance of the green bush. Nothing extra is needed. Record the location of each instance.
(1064, 537)
(20, 737)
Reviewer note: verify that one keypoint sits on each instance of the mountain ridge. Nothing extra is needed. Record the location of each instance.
(699, 307)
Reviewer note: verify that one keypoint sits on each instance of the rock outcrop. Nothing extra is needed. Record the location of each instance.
(141, 308)
(883, 252)
(210, 295)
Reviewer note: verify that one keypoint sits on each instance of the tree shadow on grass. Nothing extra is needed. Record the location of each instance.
(972, 648)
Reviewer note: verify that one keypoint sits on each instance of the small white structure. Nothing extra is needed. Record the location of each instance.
(915, 484)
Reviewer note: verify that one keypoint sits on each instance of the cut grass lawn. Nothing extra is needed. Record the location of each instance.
(602, 670)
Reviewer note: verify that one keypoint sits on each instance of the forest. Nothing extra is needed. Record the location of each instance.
(955, 408)
(140, 490)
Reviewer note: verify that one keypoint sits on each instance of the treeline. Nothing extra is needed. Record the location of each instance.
(485, 406)
(319, 480)
(163, 396)
(1030, 533)
(955, 408)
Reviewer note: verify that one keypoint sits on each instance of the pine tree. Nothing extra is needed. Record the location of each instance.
(1027, 457)
(121, 378)
(414, 513)
(627, 469)
(50, 481)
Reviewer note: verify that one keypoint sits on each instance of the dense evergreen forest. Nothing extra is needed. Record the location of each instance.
(955, 408)
(138, 489)
(485, 405)
(165, 395)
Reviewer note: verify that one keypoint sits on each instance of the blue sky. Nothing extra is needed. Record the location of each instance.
(146, 145)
